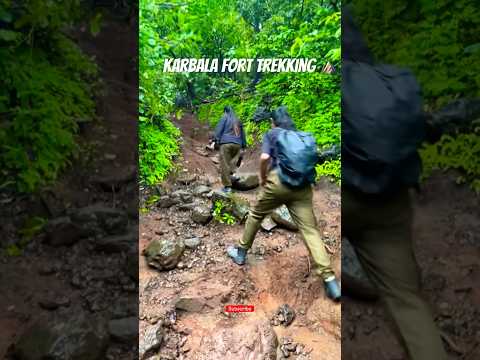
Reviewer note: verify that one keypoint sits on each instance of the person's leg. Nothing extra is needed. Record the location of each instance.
(381, 235)
(272, 196)
(225, 164)
(301, 210)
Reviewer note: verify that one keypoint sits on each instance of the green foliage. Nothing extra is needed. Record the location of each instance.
(221, 215)
(330, 169)
(47, 90)
(461, 153)
(439, 41)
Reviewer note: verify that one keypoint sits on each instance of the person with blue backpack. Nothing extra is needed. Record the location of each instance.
(382, 130)
(287, 172)
(230, 136)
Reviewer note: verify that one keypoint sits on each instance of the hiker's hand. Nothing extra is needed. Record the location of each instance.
(263, 181)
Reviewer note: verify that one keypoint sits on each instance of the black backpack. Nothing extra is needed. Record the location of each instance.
(297, 157)
(382, 127)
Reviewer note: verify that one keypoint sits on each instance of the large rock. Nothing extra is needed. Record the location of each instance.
(164, 254)
(150, 341)
(283, 218)
(193, 242)
(110, 220)
(166, 201)
(201, 190)
(256, 340)
(355, 281)
(268, 224)
(246, 182)
(201, 215)
(115, 178)
(207, 296)
(124, 330)
(117, 243)
(233, 204)
(182, 195)
(62, 231)
(70, 335)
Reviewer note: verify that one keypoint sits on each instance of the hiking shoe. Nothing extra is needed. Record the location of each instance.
(234, 178)
(238, 254)
(227, 190)
(332, 289)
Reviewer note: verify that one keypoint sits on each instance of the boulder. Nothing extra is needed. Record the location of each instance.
(268, 224)
(245, 182)
(201, 215)
(63, 232)
(183, 195)
(124, 330)
(255, 340)
(117, 243)
(233, 204)
(283, 218)
(115, 178)
(201, 190)
(192, 243)
(150, 341)
(69, 335)
(110, 220)
(164, 254)
(166, 201)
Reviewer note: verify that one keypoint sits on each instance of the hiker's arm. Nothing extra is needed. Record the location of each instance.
(264, 164)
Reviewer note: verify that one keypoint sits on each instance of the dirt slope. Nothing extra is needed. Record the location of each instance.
(277, 273)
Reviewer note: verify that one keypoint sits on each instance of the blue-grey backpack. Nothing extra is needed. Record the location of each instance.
(297, 157)
(382, 127)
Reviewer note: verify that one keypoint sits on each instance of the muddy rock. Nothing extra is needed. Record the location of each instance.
(268, 224)
(209, 295)
(283, 218)
(284, 316)
(354, 279)
(201, 190)
(201, 215)
(233, 204)
(166, 201)
(246, 182)
(186, 179)
(52, 301)
(110, 220)
(192, 243)
(63, 232)
(183, 195)
(124, 330)
(164, 254)
(115, 178)
(117, 243)
(256, 340)
(151, 340)
(72, 335)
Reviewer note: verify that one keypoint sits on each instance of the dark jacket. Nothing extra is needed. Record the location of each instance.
(225, 134)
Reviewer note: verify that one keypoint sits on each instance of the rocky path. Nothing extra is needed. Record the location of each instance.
(73, 289)
(182, 297)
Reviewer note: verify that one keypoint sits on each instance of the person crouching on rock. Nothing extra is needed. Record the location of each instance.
(287, 172)
(230, 136)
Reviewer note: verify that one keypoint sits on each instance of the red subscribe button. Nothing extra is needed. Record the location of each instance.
(239, 308)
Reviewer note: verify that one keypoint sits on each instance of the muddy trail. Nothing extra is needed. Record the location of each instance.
(182, 309)
(447, 244)
(74, 283)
